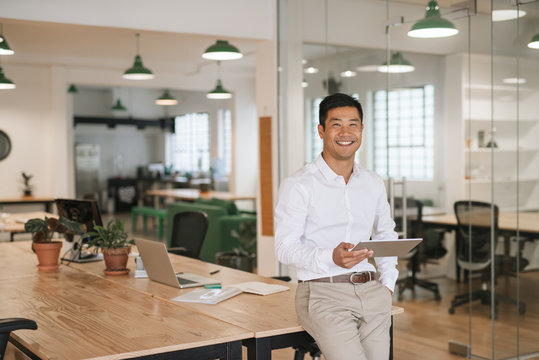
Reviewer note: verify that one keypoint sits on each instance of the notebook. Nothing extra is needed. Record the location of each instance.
(159, 268)
(381, 248)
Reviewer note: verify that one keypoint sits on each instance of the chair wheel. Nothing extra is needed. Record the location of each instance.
(399, 297)
(451, 311)
(437, 297)
(522, 309)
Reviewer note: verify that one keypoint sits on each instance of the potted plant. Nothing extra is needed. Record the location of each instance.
(242, 257)
(27, 186)
(47, 250)
(113, 242)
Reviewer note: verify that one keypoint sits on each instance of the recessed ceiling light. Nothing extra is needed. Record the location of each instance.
(311, 70)
(348, 73)
(507, 14)
(514, 80)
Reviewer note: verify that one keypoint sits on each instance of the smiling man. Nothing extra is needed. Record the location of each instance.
(323, 211)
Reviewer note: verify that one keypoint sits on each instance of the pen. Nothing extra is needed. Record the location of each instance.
(212, 286)
(214, 272)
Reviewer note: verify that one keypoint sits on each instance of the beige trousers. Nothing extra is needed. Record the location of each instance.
(347, 321)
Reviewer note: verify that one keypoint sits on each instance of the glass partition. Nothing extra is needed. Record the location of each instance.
(460, 123)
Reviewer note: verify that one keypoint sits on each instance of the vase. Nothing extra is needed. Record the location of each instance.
(47, 255)
(116, 260)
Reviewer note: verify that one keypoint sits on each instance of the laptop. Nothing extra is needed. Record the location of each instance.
(159, 268)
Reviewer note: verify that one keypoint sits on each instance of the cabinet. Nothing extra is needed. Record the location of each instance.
(507, 114)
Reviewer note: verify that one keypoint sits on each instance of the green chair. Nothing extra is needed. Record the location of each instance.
(223, 217)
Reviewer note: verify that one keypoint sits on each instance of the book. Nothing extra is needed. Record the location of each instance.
(260, 288)
(208, 296)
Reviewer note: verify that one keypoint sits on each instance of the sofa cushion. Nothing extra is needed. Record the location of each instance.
(229, 205)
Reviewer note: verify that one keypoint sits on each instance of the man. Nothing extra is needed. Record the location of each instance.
(323, 210)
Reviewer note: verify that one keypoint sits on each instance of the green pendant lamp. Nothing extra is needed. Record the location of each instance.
(72, 89)
(433, 25)
(397, 64)
(118, 106)
(138, 71)
(219, 92)
(222, 50)
(534, 43)
(5, 83)
(4, 47)
(166, 99)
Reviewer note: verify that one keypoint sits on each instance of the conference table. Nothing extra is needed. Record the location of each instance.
(260, 323)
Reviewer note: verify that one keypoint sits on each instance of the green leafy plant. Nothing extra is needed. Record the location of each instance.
(26, 180)
(246, 238)
(43, 229)
(111, 236)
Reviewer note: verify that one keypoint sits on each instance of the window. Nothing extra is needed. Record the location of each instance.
(314, 143)
(190, 145)
(223, 165)
(406, 148)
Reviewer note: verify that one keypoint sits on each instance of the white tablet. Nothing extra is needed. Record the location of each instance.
(399, 247)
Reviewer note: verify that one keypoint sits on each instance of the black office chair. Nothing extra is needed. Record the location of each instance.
(188, 233)
(414, 229)
(477, 224)
(11, 324)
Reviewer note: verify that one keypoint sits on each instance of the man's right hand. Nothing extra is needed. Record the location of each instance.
(347, 259)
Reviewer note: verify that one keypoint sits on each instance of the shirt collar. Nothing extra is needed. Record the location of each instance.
(328, 173)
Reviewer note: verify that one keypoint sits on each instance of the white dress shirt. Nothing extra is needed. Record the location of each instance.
(317, 210)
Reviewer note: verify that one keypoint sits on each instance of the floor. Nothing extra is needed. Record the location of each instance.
(424, 330)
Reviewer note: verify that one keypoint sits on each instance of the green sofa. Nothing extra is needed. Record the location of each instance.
(223, 217)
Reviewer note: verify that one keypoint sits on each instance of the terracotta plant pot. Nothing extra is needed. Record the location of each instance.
(116, 260)
(47, 255)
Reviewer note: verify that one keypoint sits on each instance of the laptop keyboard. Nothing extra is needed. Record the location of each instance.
(183, 281)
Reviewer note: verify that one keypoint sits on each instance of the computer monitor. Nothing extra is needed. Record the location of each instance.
(85, 212)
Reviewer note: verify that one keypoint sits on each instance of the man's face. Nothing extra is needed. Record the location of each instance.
(342, 135)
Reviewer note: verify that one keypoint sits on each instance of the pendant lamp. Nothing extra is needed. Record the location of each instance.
(397, 64)
(534, 42)
(433, 25)
(222, 50)
(507, 14)
(72, 89)
(166, 99)
(138, 71)
(5, 83)
(219, 92)
(118, 106)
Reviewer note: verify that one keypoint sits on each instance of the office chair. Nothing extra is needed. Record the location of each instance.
(414, 229)
(188, 232)
(11, 324)
(477, 222)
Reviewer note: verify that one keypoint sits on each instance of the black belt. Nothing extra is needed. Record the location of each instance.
(353, 278)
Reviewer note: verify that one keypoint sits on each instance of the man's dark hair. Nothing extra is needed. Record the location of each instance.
(334, 101)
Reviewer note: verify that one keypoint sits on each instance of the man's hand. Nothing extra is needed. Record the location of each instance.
(347, 259)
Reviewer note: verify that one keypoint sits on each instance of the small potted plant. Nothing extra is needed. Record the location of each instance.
(27, 186)
(113, 242)
(242, 257)
(47, 250)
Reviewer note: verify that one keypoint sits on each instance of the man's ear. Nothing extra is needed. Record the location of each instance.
(320, 131)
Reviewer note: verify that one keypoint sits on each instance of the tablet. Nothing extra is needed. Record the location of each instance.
(399, 247)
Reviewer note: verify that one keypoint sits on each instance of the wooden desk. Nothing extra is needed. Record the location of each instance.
(13, 221)
(272, 318)
(47, 201)
(193, 194)
(82, 316)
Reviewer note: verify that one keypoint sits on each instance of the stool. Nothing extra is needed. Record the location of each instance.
(146, 211)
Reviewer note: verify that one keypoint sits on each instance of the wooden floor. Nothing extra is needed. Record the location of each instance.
(426, 327)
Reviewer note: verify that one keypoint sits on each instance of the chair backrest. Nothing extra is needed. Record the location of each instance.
(477, 222)
(188, 231)
(414, 214)
(11, 324)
